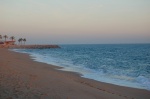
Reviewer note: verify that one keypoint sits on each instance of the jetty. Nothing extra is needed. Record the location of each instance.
(30, 46)
(12, 45)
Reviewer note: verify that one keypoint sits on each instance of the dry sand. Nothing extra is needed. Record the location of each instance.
(23, 78)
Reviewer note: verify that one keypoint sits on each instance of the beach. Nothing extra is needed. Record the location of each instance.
(23, 78)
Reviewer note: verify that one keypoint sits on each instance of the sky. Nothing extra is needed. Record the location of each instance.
(76, 21)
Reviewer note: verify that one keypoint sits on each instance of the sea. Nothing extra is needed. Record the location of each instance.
(120, 64)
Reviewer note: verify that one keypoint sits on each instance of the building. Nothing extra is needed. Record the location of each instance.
(9, 43)
(1, 43)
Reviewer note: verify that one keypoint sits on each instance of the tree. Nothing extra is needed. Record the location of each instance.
(20, 40)
(12, 38)
(24, 40)
(1, 37)
(5, 36)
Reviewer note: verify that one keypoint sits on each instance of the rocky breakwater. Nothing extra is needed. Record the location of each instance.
(31, 46)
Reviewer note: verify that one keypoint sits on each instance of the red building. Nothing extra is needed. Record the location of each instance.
(9, 43)
(1, 42)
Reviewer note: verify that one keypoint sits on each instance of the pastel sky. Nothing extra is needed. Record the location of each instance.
(76, 21)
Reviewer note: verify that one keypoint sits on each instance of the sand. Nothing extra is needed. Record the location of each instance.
(23, 78)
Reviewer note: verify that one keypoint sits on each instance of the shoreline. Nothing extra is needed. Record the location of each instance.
(21, 76)
(86, 73)
(29, 46)
(65, 69)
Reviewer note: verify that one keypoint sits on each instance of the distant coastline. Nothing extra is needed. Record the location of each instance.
(11, 43)
(29, 46)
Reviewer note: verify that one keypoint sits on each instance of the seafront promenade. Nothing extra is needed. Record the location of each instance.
(30, 46)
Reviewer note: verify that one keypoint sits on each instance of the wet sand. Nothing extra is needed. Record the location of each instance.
(23, 78)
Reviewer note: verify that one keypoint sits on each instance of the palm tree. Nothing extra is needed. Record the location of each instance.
(20, 40)
(5, 36)
(24, 40)
(12, 38)
(1, 37)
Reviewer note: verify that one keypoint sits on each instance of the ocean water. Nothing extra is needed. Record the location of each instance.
(119, 64)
